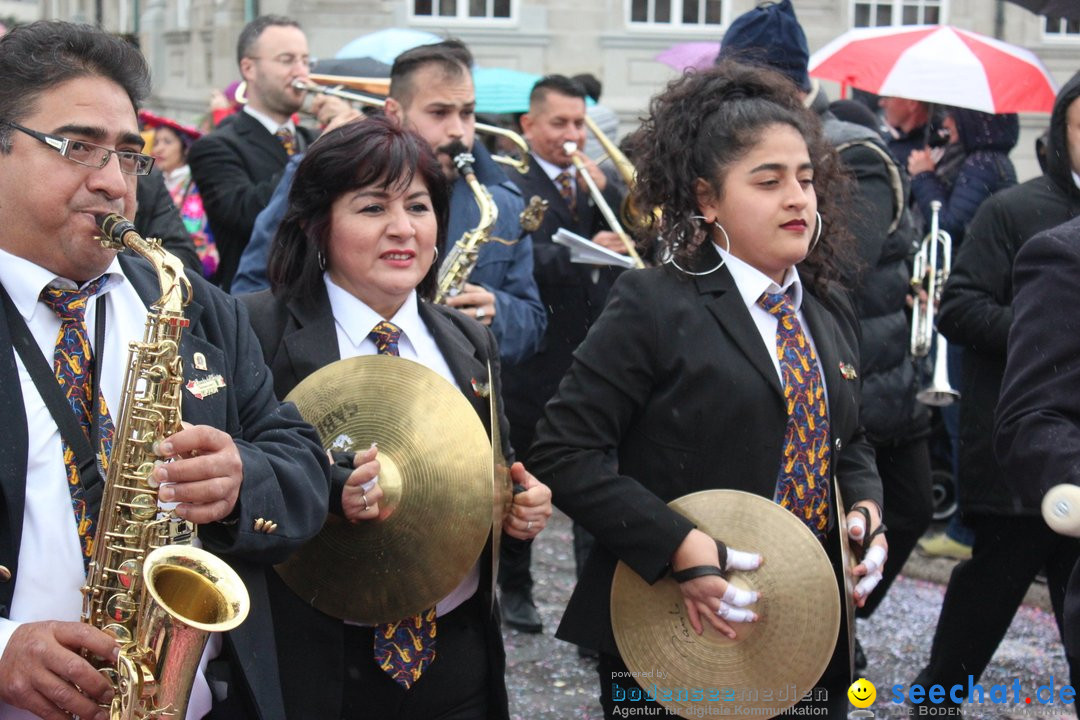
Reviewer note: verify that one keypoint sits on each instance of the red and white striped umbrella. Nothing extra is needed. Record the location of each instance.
(939, 64)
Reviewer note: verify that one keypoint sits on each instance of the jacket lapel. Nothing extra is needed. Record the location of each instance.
(252, 131)
(12, 461)
(543, 186)
(722, 299)
(825, 342)
(460, 355)
(313, 344)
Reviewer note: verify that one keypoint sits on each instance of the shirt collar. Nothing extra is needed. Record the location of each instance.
(357, 320)
(268, 122)
(552, 170)
(25, 280)
(752, 283)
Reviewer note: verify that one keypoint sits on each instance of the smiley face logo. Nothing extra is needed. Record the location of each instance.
(862, 693)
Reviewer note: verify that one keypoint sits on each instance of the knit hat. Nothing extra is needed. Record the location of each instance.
(769, 35)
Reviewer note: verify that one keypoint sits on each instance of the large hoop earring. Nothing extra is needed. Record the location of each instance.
(727, 242)
(436, 258)
(817, 235)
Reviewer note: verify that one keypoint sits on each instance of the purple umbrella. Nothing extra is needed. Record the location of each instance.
(685, 55)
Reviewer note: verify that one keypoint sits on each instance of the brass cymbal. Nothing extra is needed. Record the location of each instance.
(848, 563)
(773, 662)
(436, 478)
(501, 484)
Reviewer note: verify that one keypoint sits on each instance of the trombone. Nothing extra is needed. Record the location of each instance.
(928, 275)
(630, 213)
(336, 89)
(601, 204)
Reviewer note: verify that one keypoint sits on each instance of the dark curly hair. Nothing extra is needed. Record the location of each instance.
(376, 151)
(705, 121)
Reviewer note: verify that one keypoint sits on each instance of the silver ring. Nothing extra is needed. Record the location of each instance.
(481, 313)
(528, 526)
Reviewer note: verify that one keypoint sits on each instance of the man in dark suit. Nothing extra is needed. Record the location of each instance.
(573, 294)
(1038, 431)
(242, 468)
(1012, 543)
(237, 167)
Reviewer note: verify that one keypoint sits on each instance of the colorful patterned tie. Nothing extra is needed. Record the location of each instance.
(285, 136)
(403, 649)
(72, 363)
(566, 189)
(803, 483)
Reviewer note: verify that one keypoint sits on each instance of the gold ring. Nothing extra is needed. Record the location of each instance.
(363, 496)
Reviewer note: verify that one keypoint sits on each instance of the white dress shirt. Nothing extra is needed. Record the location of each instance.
(751, 283)
(51, 574)
(553, 171)
(354, 321)
(272, 125)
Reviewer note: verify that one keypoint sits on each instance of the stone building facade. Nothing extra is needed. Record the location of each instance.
(191, 43)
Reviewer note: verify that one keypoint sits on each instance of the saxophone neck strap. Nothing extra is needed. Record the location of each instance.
(41, 372)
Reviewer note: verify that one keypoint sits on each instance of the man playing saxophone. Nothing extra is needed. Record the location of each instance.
(244, 468)
(432, 93)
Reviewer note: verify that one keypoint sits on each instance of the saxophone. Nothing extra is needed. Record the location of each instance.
(157, 595)
(460, 261)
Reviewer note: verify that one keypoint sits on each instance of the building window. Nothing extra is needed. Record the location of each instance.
(687, 13)
(883, 13)
(1061, 29)
(463, 9)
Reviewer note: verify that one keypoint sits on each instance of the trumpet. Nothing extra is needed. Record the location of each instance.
(520, 164)
(571, 149)
(928, 275)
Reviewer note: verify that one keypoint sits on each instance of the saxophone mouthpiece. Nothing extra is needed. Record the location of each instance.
(113, 227)
(463, 159)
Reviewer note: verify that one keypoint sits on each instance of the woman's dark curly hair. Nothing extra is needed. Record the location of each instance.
(705, 121)
(375, 151)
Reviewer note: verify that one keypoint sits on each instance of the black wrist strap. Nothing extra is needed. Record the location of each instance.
(40, 371)
(697, 571)
(879, 530)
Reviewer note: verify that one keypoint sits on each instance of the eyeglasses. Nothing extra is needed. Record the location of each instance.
(89, 154)
(288, 59)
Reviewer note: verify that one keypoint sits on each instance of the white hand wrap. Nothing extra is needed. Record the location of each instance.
(739, 560)
(856, 528)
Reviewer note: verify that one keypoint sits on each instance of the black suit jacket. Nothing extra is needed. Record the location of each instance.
(573, 294)
(1038, 418)
(285, 469)
(674, 392)
(236, 169)
(299, 337)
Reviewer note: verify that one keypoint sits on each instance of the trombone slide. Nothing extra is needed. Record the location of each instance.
(601, 203)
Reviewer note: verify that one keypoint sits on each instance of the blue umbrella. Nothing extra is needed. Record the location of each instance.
(499, 90)
(385, 45)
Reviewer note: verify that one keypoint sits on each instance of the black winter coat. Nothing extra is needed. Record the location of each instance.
(976, 308)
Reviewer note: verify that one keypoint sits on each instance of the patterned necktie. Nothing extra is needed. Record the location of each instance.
(803, 483)
(403, 649)
(72, 364)
(566, 188)
(285, 136)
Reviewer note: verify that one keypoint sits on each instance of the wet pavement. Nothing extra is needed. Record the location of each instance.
(548, 681)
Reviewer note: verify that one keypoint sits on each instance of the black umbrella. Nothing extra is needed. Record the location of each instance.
(352, 67)
(1067, 9)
